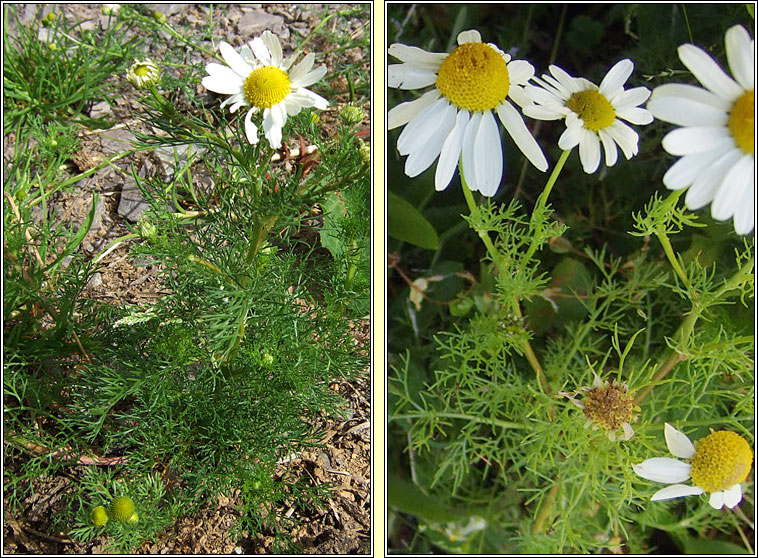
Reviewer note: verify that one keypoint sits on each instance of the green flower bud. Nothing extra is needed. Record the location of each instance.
(99, 516)
(110, 9)
(268, 359)
(365, 152)
(122, 508)
(351, 114)
(133, 519)
(159, 17)
(461, 307)
(148, 230)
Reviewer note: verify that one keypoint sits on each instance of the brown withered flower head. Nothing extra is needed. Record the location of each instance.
(608, 405)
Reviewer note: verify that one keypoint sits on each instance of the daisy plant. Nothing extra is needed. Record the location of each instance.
(716, 140)
(718, 464)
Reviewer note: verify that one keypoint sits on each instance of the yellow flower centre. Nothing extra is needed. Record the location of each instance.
(609, 406)
(142, 70)
(474, 77)
(722, 459)
(742, 122)
(593, 108)
(266, 86)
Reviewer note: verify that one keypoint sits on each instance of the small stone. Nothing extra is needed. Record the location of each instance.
(95, 281)
(116, 141)
(256, 21)
(133, 205)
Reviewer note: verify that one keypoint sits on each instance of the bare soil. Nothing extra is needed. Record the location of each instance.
(343, 526)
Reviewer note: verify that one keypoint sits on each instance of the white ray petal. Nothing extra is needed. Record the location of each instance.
(405, 112)
(467, 152)
(222, 80)
(741, 56)
(589, 151)
(521, 135)
(686, 112)
(451, 152)
(694, 139)
(417, 57)
(676, 491)
(434, 136)
(678, 443)
(418, 130)
(708, 72)
(488, 155)
(738, 179)
(614, 80)
(732, 496)
(405, 76)
(274, 47)
(470, 36)
(251, 130)
(663, 469)
(234, 60)
(708, 182)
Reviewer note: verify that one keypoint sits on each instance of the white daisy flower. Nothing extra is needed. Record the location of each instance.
(455, 120)
(592, 113)
(257, 76)
(718, 464)
(717, 139)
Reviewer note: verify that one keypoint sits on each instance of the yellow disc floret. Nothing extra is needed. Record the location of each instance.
(593, 108)
(722, 459)
(266, 86)
(742, 122)
(474, 77)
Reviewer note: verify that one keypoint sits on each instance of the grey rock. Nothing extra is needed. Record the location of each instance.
(133, 205)
(167, 9)
(97, 219)
(100, 109)
(256, 21)
(116, 141)
(174, 157)
(96, 280)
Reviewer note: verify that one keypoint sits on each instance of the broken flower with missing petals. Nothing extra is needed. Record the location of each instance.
(607, 405)
(718, 464)
(259, 77)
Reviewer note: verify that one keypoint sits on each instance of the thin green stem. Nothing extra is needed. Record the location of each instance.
(542, 199)
(687, 328)
(470, 418)
(671, 256)
(474, 211)
(113, 245)
(526, 347)
(546, 509)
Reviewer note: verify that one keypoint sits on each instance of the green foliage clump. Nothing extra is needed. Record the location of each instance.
(537, 349)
